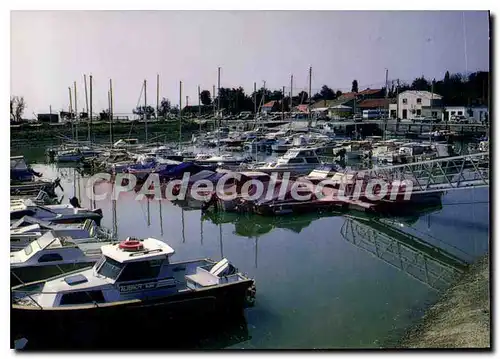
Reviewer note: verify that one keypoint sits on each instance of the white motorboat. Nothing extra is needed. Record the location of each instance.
(133, 283)
(57, 213)
(28, 229)
(296, 160)
(50, 255)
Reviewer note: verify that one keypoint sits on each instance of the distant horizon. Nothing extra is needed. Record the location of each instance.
(51, 49)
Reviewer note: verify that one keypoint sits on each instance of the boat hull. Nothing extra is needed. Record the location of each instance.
(68, 158)
(106, 325)
(296, 170)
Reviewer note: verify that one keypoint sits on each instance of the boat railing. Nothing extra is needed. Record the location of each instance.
(20, 298)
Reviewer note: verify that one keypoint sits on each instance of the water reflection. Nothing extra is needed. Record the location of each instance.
(428, 264)
(204, 333)
(349, 274)
(252, 225)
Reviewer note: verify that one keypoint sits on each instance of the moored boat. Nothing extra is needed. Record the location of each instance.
(50, 255)
(134, 285)
(28, 229)
(296, 161)
(59, 213)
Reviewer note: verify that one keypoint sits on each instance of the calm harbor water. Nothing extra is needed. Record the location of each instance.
(323, 281)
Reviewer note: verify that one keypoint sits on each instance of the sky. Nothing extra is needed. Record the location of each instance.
(52, 49)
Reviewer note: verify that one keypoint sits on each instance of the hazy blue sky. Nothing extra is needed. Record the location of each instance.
(51, 49)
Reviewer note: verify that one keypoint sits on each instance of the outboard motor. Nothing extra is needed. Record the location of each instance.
(74, 202)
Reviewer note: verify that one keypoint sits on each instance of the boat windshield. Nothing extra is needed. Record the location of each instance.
(28, 250)
(18, 164)
(109, 268)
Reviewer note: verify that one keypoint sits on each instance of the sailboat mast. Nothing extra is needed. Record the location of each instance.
(218, 110)
(180, 114)
(76, 110)
(255, 103)
(309, 98)
(144, 111)
(157, 94)
(87, 107)
(111, 112)
(263, 95)
(199, 106)
(90, 113)
(283, 104)
(71, 112)
(291, 99)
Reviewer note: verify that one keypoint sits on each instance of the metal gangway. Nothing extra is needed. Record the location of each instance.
(428, 264)
(437, 175)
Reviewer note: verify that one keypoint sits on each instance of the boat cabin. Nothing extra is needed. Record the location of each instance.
(300, 156)
(19, 169)
(414, 149)
(28, 228)
(130, 270)
(321, 173)
(18, 163)
(51, 248)
(126, 143)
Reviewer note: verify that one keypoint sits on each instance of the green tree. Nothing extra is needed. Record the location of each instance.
(327, 93)
(174, 110)
(205, 97)
(165, 107)
(354, 87)
(12, 104)
(316, 97)
(420, 84)
(258, 97)
(17, 107)
(150, 111)
(20, 106)
(302, 97)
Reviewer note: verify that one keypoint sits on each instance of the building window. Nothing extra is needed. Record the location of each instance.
(405, 101)
(434, 114)
(452, 113)
(419, 100)
(405, 114)
(460, 113)
(419, 112)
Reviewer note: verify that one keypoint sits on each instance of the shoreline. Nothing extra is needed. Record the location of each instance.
(460, 318)
(46, 132)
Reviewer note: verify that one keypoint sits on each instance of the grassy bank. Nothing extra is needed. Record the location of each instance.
(168, 130)
(461, 318)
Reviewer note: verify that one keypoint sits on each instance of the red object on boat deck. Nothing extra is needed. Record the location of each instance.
(131, 245)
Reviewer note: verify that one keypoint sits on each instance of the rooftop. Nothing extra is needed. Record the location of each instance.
(270, 104)
(425, 94)
(369, 91)
(376, 102)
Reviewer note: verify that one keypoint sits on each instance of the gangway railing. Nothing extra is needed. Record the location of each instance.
(436, 175)
(428, 264)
